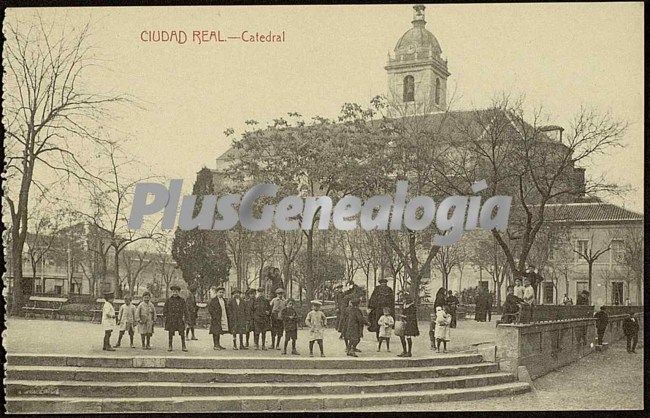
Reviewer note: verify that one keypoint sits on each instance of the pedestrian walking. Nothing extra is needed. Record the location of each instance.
(410, 318)
(386, 323)
(261, 318)
(289, 318)
(602, 319)
(192, 312)
(317, 322)
(126, 320)
(145, 315)
(175, 314)
(277, 304)
(631, 331)
(443, 320)
(108, 320)
(237, 313)
(219, 316)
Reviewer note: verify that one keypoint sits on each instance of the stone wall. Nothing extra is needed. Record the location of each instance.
(545, 346)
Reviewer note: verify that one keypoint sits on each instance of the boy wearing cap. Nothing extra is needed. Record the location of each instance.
(261, 321)
(277, 305)
(289, 318)
(108, 320)
(316, 321)
(237, 319)
(145, 316)
(175, 314)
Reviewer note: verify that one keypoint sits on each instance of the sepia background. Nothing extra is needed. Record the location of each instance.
(560, 55)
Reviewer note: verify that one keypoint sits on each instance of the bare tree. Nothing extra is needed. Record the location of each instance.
(48, 116)
(590, 256)
(134, 262)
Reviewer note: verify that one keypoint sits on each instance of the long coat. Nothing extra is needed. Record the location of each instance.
(145, 316)
(175, 313)
(382, 297)
(410, 318)
(261, 315)
(192, 309)
(345, 301)
(354, 323)
(214, 308)
(238, 316)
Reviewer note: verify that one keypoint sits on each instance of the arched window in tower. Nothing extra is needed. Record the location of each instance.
(437, 91)
(409, 88)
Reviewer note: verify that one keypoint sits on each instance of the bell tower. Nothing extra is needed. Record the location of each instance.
(417, 74)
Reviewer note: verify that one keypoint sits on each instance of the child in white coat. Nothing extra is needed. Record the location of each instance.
(443, 319)
(386, 322)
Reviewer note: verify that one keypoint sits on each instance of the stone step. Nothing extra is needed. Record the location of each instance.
(191, 362)
(233, 375)
(325, 402)
(165, 389)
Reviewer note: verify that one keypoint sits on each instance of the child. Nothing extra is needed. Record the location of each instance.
(277, 304)
(108, 320)
(432, 331)
(385, 322)
(289, 318)
(316, 322)
(126, 320)
(175, 314)
(145, 316)
(354, 328)
(443, 319)
(410, 318)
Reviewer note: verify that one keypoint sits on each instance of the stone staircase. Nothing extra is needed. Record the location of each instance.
(59, 384)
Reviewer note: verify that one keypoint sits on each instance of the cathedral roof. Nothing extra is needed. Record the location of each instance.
(420, 38)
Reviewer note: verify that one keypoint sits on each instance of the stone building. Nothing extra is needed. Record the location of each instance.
(417, 77)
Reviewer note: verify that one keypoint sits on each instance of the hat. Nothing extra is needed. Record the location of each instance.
(108, 295)
(175, 287)
(279, 290)
(235, 292)
(383, 280)
(220, 288)
(316, 302)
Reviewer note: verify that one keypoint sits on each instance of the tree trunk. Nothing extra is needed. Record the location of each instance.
(17, 270)
(589, 272)
(309, 285)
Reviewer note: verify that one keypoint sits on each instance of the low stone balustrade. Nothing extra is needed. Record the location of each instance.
(545, 346)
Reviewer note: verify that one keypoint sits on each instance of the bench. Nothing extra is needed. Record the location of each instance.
(45, 305)
(331, 320)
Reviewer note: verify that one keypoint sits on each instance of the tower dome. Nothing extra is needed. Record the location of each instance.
(418, 38)
(417, 74)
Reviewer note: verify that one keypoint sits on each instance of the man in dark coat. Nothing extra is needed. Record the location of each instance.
(261, 318)
(601, 324)
(631, 331)
(219, 316)
(511, 306)
(248, 303)
(175, 314)
(452, 303)
(382, 297)
(192, 311)
(238, 319)
(479, 310)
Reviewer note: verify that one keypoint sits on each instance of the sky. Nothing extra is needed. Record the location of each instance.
(561, 56)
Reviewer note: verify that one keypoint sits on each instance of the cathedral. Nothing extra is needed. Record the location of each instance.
(417, 76)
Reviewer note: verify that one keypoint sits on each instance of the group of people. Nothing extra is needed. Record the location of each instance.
(128, 318)
(519, 299)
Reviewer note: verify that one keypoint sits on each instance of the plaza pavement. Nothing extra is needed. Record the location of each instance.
(607, 380)
(85, 338)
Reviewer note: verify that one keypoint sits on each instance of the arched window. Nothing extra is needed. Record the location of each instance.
(409, 88)
(437, 91)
